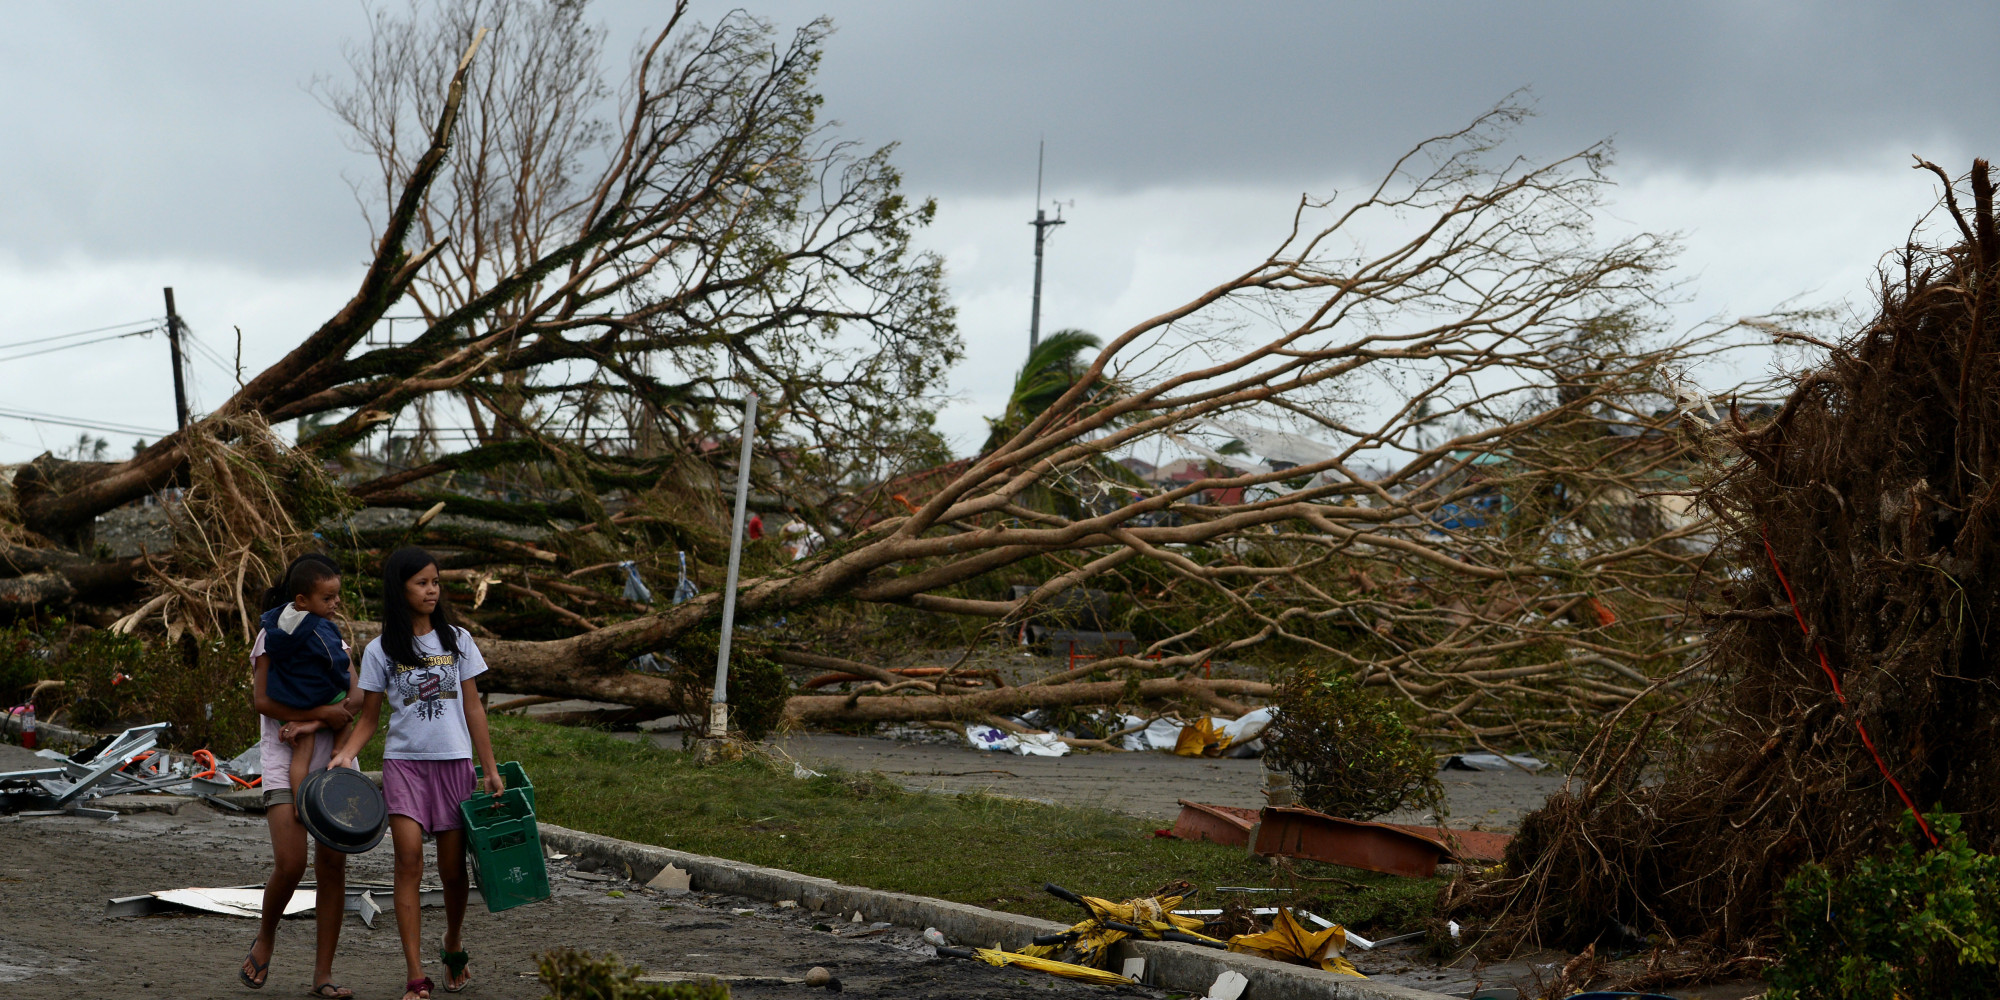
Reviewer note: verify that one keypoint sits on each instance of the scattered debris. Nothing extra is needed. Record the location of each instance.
(1493, 762)
(1068, 970)
(1227, 986)
(1297, 832)
(1020, 744)
(1270, 911)
(1106, 923)
(636, 590)
(25, 722)
(1203, 736)
(1287, 941)
(248, 901)
(670, 878)
(123, 764)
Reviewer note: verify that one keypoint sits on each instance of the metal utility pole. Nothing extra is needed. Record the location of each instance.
(718, 709)
(174, 344)
(1042, 225)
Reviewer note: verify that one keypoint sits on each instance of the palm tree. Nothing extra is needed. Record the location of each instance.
(1051, 369)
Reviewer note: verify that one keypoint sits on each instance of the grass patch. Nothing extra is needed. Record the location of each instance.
(864, 830)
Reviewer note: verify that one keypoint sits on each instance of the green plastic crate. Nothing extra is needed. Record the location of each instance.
(506, 848)
(512, 773)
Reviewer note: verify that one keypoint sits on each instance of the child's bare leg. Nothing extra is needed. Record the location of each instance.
(457, 885)
(407, 837)
(302, 755)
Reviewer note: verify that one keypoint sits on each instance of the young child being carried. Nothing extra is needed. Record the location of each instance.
(309, 662)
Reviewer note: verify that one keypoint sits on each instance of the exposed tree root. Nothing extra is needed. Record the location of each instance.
(1849, 615)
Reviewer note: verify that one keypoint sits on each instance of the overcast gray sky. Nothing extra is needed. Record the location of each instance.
(147, 145)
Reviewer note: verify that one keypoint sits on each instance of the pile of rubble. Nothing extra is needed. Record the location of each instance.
(128, 763)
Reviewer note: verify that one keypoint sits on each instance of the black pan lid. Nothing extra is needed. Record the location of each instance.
(343, 810)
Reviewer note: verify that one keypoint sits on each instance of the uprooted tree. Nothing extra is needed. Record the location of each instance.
(1488, 522)
(1848, 688)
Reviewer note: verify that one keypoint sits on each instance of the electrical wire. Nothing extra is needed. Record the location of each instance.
(82, 343)
(82, 424)
(188, 338)
(153, 322)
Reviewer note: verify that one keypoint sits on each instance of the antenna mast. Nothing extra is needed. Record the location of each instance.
(1042, 225)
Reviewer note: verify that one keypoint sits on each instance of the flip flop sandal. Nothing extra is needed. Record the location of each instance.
(454, 966)
(421, 987)
(328, 991)
(263, 971)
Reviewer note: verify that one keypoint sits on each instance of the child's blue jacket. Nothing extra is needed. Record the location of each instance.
(308, 666)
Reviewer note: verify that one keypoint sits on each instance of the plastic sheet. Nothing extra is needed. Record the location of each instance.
(635, 588)
(1493, 762)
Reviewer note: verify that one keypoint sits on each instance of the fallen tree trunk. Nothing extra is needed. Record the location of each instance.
(834, 663)
(51, 576)
(526, 668)
(808, 709)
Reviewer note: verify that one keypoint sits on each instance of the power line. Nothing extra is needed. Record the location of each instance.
(189, 339)
(78, 333)
(82, 343)
(88, 425)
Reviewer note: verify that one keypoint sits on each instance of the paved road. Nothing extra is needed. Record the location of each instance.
(1140, 784)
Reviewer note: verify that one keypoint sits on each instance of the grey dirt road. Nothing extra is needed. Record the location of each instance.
(55, 942)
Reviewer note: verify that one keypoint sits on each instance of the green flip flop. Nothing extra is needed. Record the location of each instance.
(454, 966)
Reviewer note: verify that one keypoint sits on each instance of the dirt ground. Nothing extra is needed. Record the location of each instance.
(57, 872)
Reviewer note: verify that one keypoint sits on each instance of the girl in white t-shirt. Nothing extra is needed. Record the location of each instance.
(423, 666)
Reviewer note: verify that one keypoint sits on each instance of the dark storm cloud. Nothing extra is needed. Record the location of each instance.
(1131, 94)
(152, 130)
(155, 130)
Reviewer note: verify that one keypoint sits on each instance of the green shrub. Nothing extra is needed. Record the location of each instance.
(758, 686)
(575, 975)
(1348, 753)
(1914, 924)
(108, 681)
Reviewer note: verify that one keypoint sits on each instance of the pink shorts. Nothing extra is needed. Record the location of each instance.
(428, 791)
(277, 753)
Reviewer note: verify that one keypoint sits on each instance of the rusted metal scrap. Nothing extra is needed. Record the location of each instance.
(1296, 832)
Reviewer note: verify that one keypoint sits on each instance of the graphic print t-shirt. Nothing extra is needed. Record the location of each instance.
(426, 715)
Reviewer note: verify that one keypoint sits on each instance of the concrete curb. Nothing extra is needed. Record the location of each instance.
(1178, 967)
